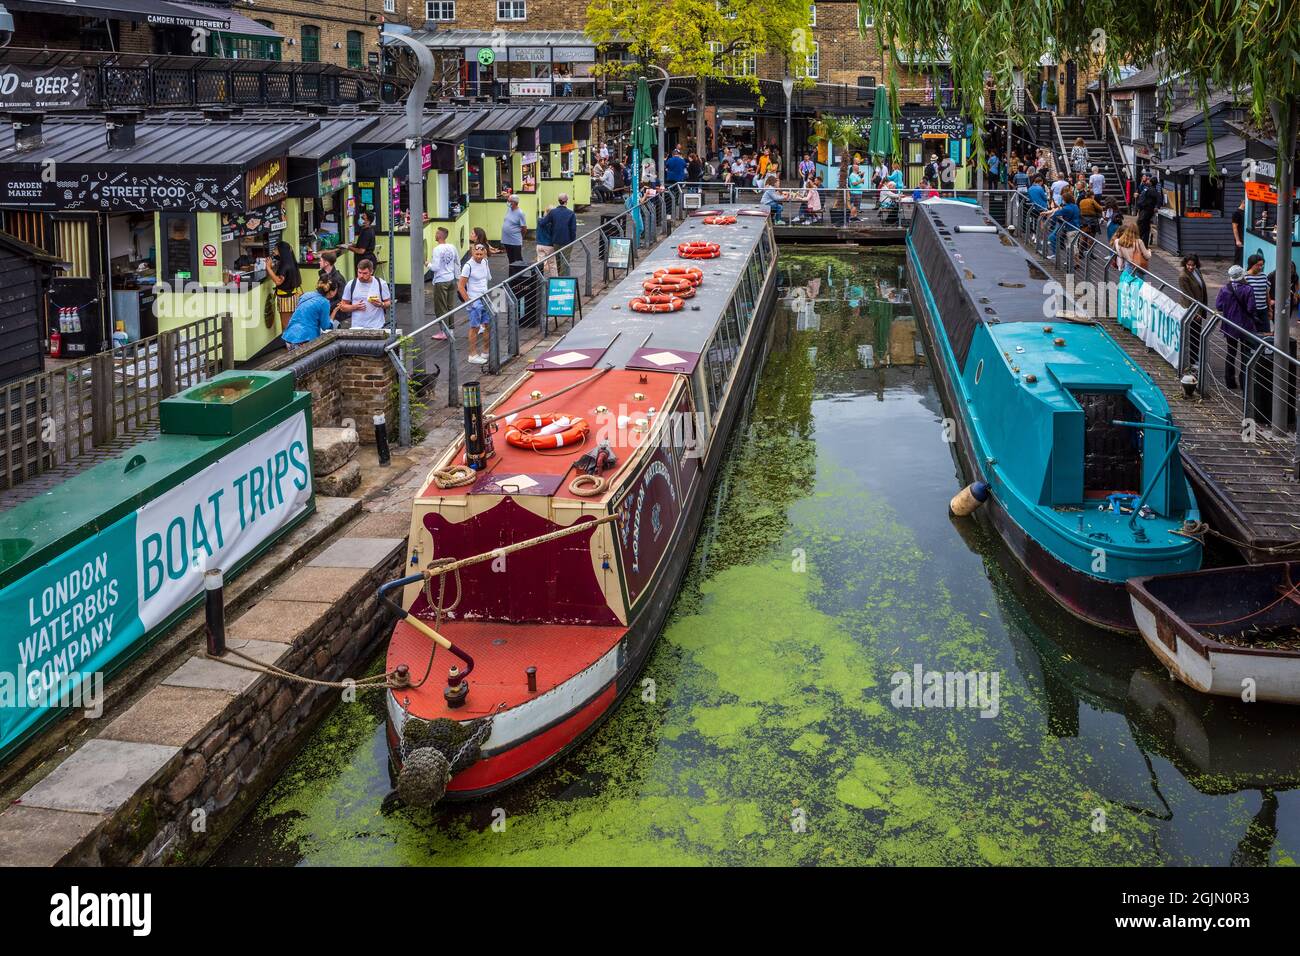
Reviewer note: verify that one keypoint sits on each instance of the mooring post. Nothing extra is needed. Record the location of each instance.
(215, 612)
(381, 439)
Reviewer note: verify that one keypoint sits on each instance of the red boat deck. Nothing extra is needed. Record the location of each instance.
(501, 654)
(615, 390)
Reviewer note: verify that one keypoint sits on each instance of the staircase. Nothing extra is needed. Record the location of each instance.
(1100, 153)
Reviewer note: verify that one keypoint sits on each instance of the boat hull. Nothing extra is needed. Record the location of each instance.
(546, 729)
(1208, 665)
(1103, 604)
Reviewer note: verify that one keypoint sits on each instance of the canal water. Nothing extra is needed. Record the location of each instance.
(772, 726)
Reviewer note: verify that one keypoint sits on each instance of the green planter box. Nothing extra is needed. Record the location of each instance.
(225, 404)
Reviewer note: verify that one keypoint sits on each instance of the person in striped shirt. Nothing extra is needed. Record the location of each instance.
(1259, 286)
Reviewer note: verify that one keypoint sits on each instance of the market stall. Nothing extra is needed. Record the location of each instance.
(1199, 203)
(504, 159)
(160, 221)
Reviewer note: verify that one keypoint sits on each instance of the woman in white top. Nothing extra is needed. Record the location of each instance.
(1079, 156)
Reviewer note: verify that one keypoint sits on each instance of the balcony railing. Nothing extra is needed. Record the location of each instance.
(135, 81)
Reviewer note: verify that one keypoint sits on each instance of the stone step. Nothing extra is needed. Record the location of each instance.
(332, 448)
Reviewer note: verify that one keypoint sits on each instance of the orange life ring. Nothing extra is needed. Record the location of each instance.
(699, 250)
(720, 220)
(657, 303)
(683, 288)
(520, 431)
(692, 274)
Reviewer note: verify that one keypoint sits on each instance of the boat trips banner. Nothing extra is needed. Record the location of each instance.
(84, 612)
(1151, 315)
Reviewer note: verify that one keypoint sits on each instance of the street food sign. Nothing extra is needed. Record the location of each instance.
(23, 87)
(268, 182)
(916, 126)
(252, 223)
(80, 187)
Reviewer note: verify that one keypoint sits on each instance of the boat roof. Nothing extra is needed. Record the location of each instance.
(671, 341)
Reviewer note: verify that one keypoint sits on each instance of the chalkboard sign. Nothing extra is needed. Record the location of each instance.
(620, 250)
(561, 297)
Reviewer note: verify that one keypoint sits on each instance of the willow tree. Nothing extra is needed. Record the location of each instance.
(1248, 46)
(700, 39)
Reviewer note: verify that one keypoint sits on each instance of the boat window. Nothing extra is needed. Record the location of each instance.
(979, 370)
(731, 336)
(741, 318)
(716, 371)
(744, 297)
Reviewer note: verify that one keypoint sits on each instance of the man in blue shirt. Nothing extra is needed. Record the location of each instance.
(1037, 193)
(1065, 218)
(560, 226)
(675, 168)
(513, 227)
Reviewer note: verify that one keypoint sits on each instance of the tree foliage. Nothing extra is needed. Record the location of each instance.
(1246, 45)
(700, 38)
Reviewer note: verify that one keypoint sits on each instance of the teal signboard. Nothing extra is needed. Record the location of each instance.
(77, 616)
(561, 297)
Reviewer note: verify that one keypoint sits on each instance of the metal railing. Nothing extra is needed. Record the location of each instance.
(1217, 359)
(515, 309)
(59, 415)
(848, 208)
(142, 81)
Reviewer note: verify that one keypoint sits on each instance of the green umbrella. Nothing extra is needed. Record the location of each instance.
(644, 136)
(882, 125)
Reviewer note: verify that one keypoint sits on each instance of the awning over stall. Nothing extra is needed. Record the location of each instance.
(154, 12)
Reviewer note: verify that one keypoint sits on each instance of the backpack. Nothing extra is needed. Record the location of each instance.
(383, 289)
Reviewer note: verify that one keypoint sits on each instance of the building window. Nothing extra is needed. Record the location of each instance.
(311, 44)
(865, 22)
(812, 14)
(246, 48)
(812, 63)
(354, 50)
(736, 64)
(390, 6)
(440, 10)
(512, 9)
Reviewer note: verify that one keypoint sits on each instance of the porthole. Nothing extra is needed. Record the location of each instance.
(979, 370)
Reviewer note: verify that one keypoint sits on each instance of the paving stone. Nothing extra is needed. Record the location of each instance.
(383, 525)
(35, 836)
(99, 777)
(172, 716)
(211, 674)
(280, 621)
(356, 552)
(344, 481)
(318, 584)
(332, 448)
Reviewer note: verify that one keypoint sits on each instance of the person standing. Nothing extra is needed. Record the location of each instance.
(366, 298)
(674, 168)
(1079, 156)
(807, 167)
(514, 229)
(562, 230)
(474, 278)
(478, 236)
(1097, 183)
(328, 271)
(1129, 248)
(1261, 287)
(364, 245)
(1239, 229)
(604, 152)
(1148, 201)
(1037, 194)
(443, 263)
(856, 181)
(1191, 282)
(1236, 303)
(931, 171)
(310, 318)
(282, 270)
(1059, 185)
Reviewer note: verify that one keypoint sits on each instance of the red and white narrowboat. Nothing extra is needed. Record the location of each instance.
(605, 449)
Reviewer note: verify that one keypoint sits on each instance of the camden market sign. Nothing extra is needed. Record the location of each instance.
(79, 187)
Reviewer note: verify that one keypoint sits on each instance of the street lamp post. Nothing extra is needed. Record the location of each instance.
(787, 84)
(415, 191)
(663, 101)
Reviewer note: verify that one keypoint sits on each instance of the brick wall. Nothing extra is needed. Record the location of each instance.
(335, 20)
(348, 386)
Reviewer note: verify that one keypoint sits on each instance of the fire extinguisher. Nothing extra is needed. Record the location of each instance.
(55, 343)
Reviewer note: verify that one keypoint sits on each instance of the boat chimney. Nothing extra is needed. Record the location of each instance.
(478, 440)
(121, 129)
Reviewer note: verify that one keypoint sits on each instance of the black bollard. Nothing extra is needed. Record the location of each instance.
(381, 440)
(215, 612)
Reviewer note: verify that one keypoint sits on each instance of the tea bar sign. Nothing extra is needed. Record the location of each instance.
(24, 87)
